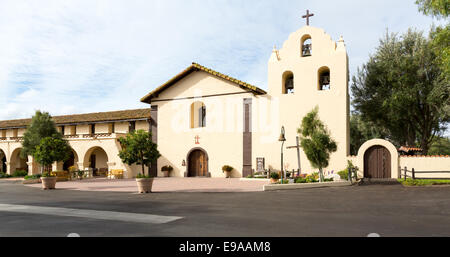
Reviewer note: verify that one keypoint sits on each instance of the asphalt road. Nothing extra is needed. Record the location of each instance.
(389, 210)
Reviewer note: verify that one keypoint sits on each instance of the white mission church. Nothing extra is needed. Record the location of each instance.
(202, 119)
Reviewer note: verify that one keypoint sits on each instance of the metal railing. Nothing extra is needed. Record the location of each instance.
(405, 173)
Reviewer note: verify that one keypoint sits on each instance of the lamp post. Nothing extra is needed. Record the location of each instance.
(282, 139)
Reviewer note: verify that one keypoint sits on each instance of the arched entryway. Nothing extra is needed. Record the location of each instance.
(2, 161)
(72, 161)
(97, 159)
(17, 162)
(377, 162)
(197, 163)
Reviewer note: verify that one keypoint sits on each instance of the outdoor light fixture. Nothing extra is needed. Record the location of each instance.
(183, 163)
(282, 139)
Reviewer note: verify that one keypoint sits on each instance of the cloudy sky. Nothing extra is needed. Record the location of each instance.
(87, 56)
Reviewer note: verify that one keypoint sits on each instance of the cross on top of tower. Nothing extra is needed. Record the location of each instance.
(307, 17)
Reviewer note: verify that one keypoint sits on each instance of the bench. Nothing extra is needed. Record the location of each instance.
(61, 175)
(102, 172)
(115, 174)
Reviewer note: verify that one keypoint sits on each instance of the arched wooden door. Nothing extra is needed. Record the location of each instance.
(197, 164)
(377, 162)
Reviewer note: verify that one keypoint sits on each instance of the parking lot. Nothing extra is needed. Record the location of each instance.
(388, 210)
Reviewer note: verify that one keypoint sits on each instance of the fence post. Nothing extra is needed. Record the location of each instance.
(404, 174)
(413, 174)
(350, 175)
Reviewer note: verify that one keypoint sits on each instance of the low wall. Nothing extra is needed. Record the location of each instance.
(426, 163)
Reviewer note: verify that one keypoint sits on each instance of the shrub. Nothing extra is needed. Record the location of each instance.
(424, 182)
(80, 174)
(274, 175)
(328, 180)
(4, 175)
(301, 180)
(143, 176)
(313, 178)
(227, 168)
(250, 176)
(36, 176)
(20, 173)
(343, 174)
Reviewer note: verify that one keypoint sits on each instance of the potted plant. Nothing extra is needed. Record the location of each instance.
(166, 170)
(227, 170)
(274, 177)
(50, 150)
(80, 174)
(138, 148)
(48, 181)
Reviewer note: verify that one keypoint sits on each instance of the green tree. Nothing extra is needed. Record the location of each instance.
(435, 8)
(440, 146)
(440, 35)
(316, 141)
(41, 126)
(362, 131)
(138, 148)
(51, 150)
(401, 90)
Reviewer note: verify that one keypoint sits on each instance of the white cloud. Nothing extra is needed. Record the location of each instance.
(87, 56)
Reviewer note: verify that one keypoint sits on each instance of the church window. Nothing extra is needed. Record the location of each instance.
(306, 46)
(198, 115)
(288, 83)
(324, 82)
(132, 126)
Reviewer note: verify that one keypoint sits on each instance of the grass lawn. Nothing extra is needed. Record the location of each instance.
(424, 182)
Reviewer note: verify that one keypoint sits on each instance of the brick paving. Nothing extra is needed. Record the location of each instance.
(165, 185)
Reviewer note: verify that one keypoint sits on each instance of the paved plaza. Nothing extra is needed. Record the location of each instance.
(165, 185)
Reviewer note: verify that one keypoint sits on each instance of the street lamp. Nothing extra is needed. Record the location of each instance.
(282, 139)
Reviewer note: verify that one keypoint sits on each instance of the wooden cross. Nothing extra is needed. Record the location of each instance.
(196, 140)
(297, 146)
(307, 17)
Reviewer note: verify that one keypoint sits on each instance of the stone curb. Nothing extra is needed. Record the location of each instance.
(31, 181)
(305, 185)
(255, 179)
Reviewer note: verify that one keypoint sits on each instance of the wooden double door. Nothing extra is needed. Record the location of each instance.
(198, 164)
(377, 162)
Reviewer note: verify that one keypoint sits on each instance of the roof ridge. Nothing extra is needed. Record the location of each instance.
(197, 66)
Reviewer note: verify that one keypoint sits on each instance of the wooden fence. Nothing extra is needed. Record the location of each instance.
(405, 173)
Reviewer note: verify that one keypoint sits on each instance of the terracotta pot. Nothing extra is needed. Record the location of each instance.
(228, 174)
(166, 173)
(48, 183)
(144, 185)
(273, 181)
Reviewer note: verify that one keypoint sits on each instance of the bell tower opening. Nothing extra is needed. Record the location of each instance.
(306, 46)
(324, 79)
(288, 83)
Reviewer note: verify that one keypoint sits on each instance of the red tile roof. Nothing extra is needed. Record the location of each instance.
(85, 118)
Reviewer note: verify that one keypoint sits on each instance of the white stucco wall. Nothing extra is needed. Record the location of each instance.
(222, 136)
(426, 163)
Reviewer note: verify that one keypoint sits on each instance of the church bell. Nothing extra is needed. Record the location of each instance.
(307, 50)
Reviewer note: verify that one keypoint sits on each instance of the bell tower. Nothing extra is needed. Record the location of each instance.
(310, 70)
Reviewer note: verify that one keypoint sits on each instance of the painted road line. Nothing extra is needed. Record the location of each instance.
(91, 214)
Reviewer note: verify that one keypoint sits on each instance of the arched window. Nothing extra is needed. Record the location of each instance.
(324, 81)
(198, 115)
(288, 83)
(306, 44)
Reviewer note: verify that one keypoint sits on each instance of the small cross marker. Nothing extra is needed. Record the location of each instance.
(307, 17)
(197, 140)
